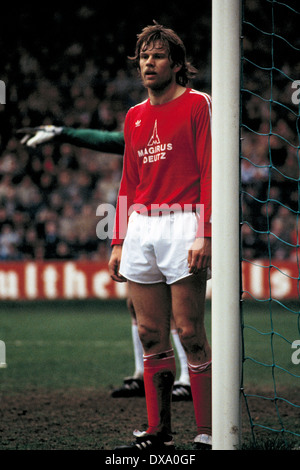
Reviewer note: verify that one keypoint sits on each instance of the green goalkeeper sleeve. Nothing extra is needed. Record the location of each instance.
(102, 141)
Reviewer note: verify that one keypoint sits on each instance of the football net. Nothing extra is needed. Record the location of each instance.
(270, 219)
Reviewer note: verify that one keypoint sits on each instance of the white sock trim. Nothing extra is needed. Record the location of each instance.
(199, 367)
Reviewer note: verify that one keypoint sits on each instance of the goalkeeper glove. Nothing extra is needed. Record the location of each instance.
(38, 135)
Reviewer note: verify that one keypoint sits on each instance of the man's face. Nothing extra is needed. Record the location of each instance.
(156, 68)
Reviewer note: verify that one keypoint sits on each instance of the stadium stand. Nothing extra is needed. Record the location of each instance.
(49, 195)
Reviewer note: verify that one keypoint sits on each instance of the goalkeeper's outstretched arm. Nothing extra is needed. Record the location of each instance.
(101, 141)
(33, 136)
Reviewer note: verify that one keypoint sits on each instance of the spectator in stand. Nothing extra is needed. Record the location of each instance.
(9, 242)
(51, 239)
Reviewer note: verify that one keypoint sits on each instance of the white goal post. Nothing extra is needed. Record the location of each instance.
(226, 354)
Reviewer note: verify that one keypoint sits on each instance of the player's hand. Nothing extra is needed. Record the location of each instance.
(34, 136)
(199, 255)
(114, 264)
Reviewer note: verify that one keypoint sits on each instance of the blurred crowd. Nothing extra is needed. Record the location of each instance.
(270, 136)
(49, 195)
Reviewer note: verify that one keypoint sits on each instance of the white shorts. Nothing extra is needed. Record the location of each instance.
(156, 248)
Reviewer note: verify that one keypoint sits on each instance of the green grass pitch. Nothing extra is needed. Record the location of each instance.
(64, 345)
(88, 344)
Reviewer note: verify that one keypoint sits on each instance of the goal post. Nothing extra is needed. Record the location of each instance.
(225, 328)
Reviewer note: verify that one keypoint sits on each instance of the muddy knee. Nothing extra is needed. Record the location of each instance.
(190, 341)
(150, 337)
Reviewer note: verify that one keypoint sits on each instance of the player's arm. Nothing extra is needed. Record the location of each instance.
(33, 136)
(101, 141)
(129, 182)
(114, 264)
(199, 255)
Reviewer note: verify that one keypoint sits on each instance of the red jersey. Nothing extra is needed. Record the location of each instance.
(167, 158)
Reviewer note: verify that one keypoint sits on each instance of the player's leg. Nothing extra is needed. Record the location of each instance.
(152, 304)
(188, 303)
(181, 388)
(133, 386)
(137, 345)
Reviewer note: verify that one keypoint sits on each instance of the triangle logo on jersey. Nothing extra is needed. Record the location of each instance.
(154, 138)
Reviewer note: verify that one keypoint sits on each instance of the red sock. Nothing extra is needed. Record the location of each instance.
(159, 376)
(200, 377)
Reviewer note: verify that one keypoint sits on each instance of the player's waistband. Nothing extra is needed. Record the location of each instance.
(159, 210)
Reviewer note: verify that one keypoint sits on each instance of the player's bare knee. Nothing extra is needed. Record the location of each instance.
(190, 340)
(150, 337)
